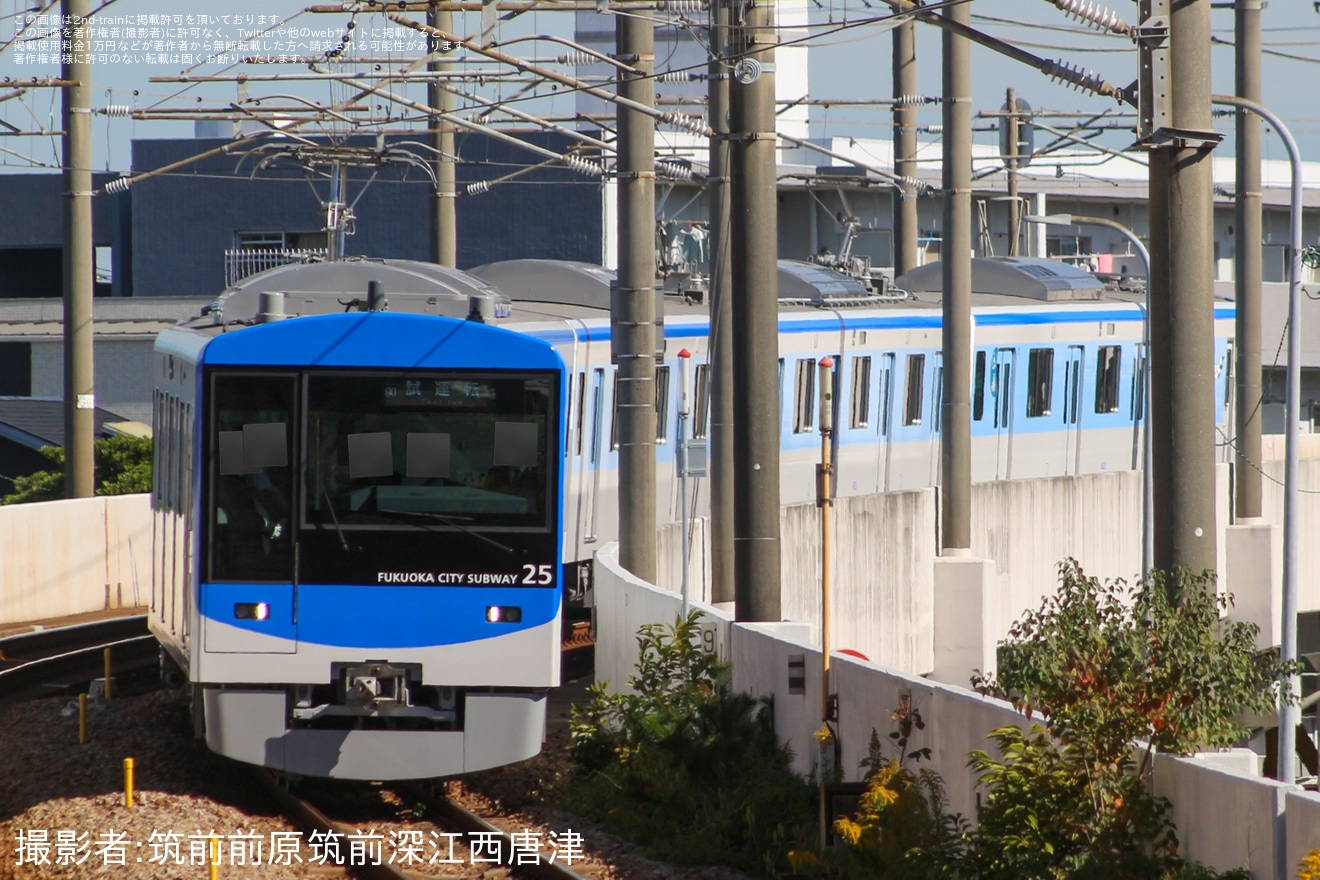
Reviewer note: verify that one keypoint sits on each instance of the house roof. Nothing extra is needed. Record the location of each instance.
(39, 421)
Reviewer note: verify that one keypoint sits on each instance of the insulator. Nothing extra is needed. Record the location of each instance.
(583, 166)
(1074, 76)
(674, 76)
(674, 170)
(682, 6)
(936, 128)
(476, 189)
(577, 58)
(118, 185)
(685, 122)
(1091, 13)
(910, 183)
(116, 110)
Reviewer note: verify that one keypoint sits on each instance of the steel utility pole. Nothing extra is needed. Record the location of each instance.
(79, 277)
(905, 146)
(1181, 295)
(755, 291)
(956, 262)
(632, 311)
(1247, 264)
(720, 353)
(445, 235)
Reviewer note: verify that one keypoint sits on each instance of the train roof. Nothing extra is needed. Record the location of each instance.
(522, 291)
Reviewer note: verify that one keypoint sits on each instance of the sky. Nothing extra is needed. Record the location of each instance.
(851, 60)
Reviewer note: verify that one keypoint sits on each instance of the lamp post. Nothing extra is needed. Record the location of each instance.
(1147, 483)
(1290, 714)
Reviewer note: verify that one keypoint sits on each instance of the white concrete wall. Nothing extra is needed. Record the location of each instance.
(1308, 526)
(75, 556)
(1224, 819)
(1303, 824)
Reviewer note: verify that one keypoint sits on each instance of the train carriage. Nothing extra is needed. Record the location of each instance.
(372, 501)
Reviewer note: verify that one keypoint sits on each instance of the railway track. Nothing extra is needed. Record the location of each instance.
(64, 659)
(370, 858)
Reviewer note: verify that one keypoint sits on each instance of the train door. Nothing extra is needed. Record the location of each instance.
(883, 419)
(1074, 371)
(1137, 408)
(1002, 376)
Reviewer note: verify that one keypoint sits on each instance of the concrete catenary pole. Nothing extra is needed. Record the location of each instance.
(1247, 264)
(1011, 160)
(1181, 306)
(79, 380)
(444, 242)
(721, 317)
(956, 261)
(632, 312)
(755, 227)
(905, 146)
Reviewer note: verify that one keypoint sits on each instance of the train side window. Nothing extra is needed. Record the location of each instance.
(861, 393)
(157, 471)
(937, 396)
(916, 369)
(978, 387)
(1108, 366)
(597, 412)
(701, 402)
(804, 397)
(780, 392)
(1137, 409)
(1040, 382)
(885, 393)
(614, 414)
(581, 398)
(661, 404)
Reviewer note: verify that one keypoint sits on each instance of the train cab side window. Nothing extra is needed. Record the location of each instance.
(804, 412)
(701, 402)
(1040, 382)
(861, 393)
(251, 481)
(978, 388)
(1108, 366)
(916, 378)
(661, 404)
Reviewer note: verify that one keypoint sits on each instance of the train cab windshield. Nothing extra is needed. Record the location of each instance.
(450, 471)
(465, 451)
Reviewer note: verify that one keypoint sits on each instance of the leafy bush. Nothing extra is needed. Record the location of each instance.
(123, 467)
(902, 829)
(683, 765)
(1105, 667)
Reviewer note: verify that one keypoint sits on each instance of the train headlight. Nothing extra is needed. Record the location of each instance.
(503, 614)
(251, 610)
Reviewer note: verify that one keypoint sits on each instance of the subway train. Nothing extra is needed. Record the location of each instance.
(378, 482)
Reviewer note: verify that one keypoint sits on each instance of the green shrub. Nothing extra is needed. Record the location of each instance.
(123, 467)
(686, 767)
(1105, 667)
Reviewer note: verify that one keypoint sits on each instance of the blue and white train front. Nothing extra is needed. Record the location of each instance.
(378, 565)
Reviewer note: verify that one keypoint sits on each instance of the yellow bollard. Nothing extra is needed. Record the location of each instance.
(82, 719)
(107, 677)
(215, 857)
(128, 782)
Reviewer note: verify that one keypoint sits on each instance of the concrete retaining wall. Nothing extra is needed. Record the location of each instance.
(1224, 820)
(74, 556)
